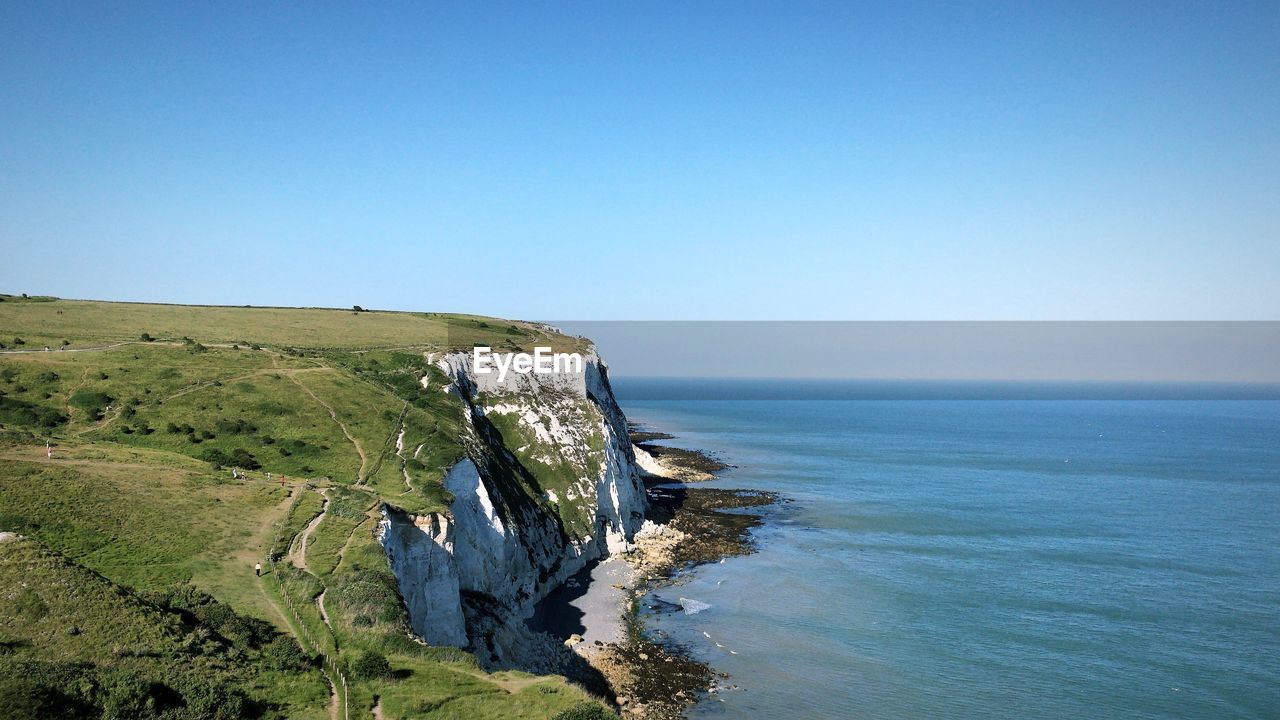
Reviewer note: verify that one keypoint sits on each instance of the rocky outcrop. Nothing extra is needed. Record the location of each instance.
(420, 551)
(550, 482)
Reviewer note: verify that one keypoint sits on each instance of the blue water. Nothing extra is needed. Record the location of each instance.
(991, 559)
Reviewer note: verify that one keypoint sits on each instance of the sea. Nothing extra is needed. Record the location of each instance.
(962, 551)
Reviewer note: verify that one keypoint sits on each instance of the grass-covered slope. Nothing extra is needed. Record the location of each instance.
(147, 409)
(74, 644)
(41, 322)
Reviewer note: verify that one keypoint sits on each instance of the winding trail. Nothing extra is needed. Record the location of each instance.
(288, 623)
(236, 378)
(324, 614)
(71, 349)
(364, 461)
(271, 522)
(298, 553)
(342, 551)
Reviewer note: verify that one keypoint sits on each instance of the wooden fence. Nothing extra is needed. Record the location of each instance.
(328, 662)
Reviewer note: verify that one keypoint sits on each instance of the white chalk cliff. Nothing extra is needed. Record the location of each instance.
(550, 482)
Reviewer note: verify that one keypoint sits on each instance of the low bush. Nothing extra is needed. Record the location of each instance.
(92, 402)
(19, 412)
(371, 666)
(284, 654)
(216, 458)
(243, 458)
(585, 711)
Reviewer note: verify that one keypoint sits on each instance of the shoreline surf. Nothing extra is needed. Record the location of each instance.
(606, 613)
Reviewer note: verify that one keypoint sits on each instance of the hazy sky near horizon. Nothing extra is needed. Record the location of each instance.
(1203, 351)
(710, 160)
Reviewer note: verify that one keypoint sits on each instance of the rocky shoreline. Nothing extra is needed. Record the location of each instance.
(688, 526)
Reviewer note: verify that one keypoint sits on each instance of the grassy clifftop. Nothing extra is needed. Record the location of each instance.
(147, 409)
(44, 321)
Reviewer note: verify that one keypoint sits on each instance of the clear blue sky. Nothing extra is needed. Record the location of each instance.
(612, 160)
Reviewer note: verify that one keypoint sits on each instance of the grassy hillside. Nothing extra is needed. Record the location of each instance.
(41, 322)
(75, 644)
(147, 409)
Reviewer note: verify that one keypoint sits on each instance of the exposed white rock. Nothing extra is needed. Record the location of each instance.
(502, 537)
(420, 551)
(647, 462)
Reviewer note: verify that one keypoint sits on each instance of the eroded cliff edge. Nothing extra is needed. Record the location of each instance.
(549, 482)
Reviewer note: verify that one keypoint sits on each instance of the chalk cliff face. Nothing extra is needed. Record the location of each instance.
(550, 482)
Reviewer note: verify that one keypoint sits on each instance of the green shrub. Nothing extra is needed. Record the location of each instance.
(92, 402)
(197, 607)
(243, 458)
(23, 697)
(19, 412)
(127, 696)
(250, 630)
(585, 711)
(371, 666)
(207, 699)
(284, 654)
(216, 458)
(239, 426)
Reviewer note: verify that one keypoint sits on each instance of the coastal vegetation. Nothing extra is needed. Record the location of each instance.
(151, 460)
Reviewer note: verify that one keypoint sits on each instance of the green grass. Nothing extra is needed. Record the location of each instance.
(136, 497)
(143, 519)
(81, 637)
(442, 690)
(555, 468)
(91, 323)
(305, 506)
(46, 595)
(329, 539)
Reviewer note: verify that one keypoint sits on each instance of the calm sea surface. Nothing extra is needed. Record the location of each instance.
(990, 559)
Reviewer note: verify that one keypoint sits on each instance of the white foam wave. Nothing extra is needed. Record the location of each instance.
(693, 607)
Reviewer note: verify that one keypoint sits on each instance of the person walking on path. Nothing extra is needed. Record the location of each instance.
(48, 450)
(257, 569)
